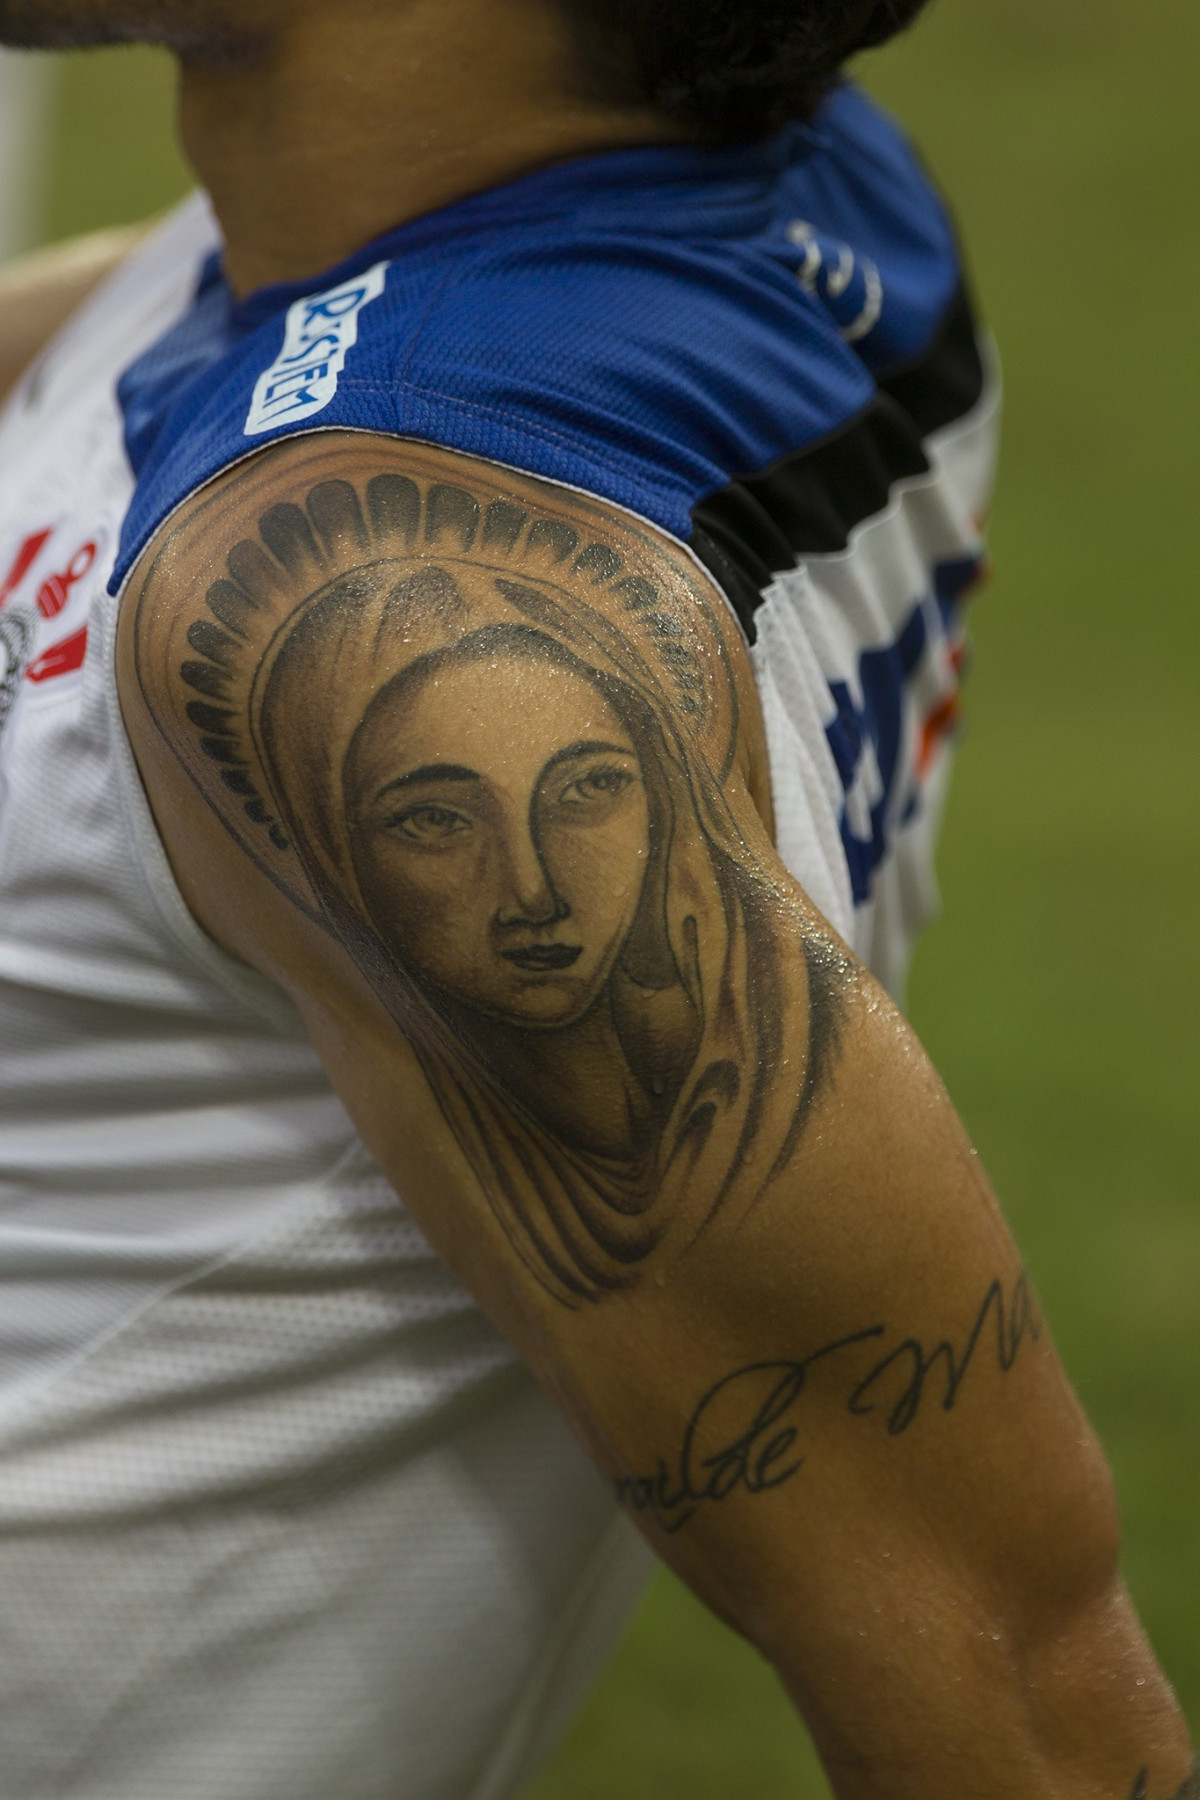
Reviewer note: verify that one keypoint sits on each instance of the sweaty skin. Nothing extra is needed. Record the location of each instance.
(701, 1174)
(504, 865)
(679, 1145)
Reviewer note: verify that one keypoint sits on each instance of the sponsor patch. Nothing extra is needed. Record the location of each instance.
(43, 593)
(320, 333)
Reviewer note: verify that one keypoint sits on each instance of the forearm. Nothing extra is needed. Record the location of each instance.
(962, 1707)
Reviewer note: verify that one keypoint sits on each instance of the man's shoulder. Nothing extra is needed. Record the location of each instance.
(647, 326)
(645, 372)
(290, 592)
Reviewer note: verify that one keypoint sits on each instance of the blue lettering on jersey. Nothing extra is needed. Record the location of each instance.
(867, 736)
(870, 734)
(320, 332)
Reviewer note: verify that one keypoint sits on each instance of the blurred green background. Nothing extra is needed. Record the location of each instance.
(1059, 996)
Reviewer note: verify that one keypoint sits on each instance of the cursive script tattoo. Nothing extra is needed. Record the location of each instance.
(916, 1365)
(1190, 1789)
(482, 732)
(744, 1434)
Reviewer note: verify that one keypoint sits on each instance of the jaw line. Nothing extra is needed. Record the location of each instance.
(80, 25)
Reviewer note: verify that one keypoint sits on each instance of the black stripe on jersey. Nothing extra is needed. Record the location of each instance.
(807, 504)
(946, 381)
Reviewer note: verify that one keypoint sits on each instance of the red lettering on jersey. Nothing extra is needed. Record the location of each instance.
(26, 556)
(54, 592)
(60, 659)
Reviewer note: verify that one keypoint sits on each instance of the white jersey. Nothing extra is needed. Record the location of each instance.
(280, 1514)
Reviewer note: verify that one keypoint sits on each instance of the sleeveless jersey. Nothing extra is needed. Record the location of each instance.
(280, 1514)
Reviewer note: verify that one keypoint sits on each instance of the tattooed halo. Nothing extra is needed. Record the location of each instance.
(603, 1035)
(389, 538)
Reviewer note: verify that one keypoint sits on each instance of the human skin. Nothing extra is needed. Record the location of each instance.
(504, 870)
(315, 128)
(820, 1384)
(810, 1372)
(503, 866)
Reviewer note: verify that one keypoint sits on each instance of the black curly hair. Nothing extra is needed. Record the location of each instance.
(726, 70)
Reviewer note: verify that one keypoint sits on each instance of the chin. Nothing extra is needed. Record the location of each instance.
(545, 1004)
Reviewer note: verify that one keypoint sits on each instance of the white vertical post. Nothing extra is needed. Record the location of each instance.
(24, 120)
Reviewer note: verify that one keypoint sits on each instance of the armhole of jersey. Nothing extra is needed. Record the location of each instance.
(238, 979)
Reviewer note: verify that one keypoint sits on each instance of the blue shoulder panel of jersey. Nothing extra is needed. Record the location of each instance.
(647, 325)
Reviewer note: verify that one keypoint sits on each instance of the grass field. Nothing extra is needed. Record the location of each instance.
(1060, 994)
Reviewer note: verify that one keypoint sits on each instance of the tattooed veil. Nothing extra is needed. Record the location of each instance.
(709, 1016)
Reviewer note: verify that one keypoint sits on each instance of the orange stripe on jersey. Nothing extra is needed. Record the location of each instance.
(938, 725)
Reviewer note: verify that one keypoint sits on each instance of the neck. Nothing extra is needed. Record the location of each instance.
(350, 119)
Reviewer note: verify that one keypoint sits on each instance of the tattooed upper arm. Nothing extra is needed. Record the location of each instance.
(485, 737)
(470, 764)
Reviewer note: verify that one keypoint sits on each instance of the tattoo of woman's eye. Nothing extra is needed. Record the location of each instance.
(429, 821)
(597, 784)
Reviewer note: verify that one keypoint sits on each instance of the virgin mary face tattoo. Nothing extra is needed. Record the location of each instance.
(499, 824)
(489, 757)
